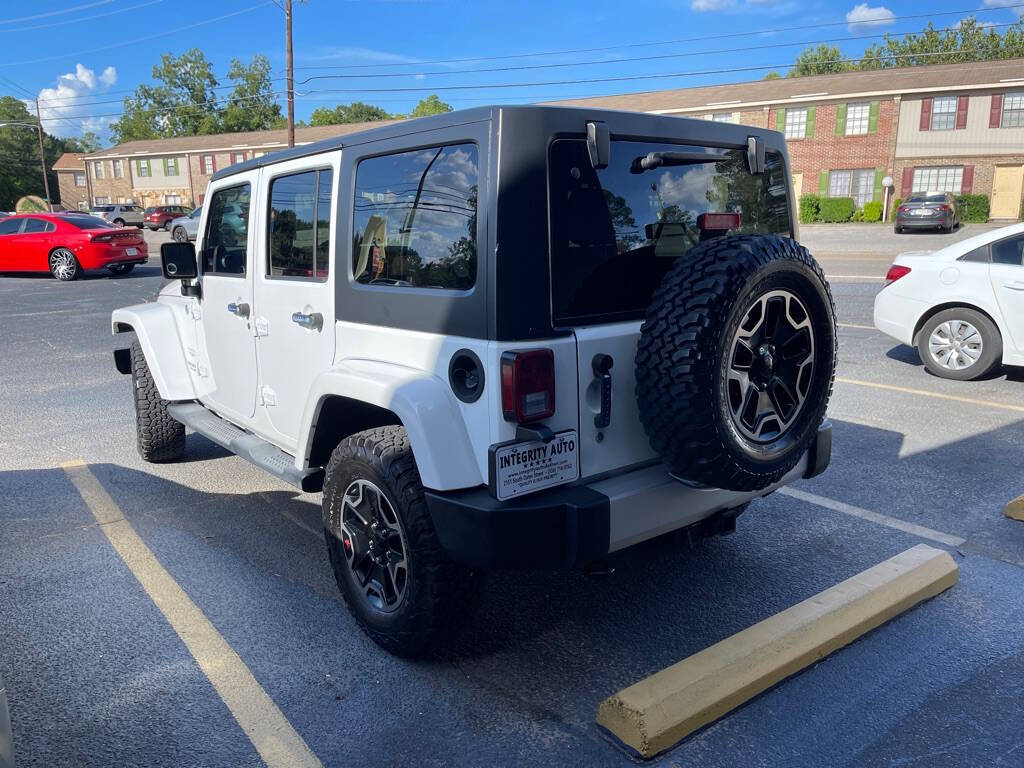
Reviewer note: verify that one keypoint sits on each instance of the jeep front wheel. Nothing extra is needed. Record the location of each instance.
(735, 361)
(159, 437)
(396, 580)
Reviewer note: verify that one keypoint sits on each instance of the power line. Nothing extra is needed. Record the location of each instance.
(83, 18)
(984, 9)
(138, 40)
(61, 12)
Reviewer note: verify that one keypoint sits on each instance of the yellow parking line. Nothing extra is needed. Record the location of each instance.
(267, 728)
(926, 393)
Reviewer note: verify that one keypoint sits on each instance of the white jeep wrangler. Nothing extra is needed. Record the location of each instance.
(518, 337)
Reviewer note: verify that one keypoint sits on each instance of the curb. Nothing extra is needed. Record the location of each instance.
(659, 711)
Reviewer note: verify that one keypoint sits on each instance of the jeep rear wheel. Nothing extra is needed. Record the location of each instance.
(159, 436)
(396, 580)
(735, 362)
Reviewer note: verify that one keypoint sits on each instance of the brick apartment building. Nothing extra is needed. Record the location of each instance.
(953, 127)
(176, 171)
(72, 182)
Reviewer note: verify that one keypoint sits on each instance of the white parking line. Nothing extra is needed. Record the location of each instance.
(870, 278)
(866, 514)
(854, 325)
(927, 393)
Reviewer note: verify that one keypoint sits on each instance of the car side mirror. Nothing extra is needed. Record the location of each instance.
(178, 261)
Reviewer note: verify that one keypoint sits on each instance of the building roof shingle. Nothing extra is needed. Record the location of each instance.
(70, 161)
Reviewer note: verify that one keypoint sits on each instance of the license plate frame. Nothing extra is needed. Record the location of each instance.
(519, 468)
(132, 251)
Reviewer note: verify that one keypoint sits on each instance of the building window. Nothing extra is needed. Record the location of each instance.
(415, 219)
(1013, 110)
(860, 185)
(79, 178)
(796, 123)
(97, 170)
(299, 230)
(948, 179)
(142, 168)
(118, 169)
(172, 199)
(170, 166)
(208, 165)
(83, 206)
(237, 157)
(101, 201)
(723, 117)
(944, 113)
(857, 115)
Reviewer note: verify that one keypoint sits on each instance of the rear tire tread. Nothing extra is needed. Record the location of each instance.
(159, 437)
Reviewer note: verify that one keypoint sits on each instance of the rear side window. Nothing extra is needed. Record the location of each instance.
(38, 225)
(1008, 251)
(10, 226)
(299, 229)
(415, 219)
(225, 245)
(102, 208)
(616, 232)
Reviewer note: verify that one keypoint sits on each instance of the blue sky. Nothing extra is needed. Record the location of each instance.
(82, 56)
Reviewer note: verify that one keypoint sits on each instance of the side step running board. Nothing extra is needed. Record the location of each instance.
(248, 446)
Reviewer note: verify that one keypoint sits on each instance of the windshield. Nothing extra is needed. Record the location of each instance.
(615, 232)
(88, 222)
(939, 198)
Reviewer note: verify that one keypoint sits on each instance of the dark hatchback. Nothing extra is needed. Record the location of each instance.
(928, 210)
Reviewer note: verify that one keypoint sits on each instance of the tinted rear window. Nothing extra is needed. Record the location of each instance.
(88, 222)
(927, 199)
(615, 233)
(102, 208)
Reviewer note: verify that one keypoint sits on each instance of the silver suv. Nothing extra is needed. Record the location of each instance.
(122, 214)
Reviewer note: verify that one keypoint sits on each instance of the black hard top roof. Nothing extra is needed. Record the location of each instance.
(447, 120)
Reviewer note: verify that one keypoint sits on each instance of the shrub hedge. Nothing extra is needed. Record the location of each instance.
(973, 208)
(872, 211)
(809, 208)
(836, 209)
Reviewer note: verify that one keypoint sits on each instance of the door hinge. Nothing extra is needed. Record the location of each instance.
(268, 395)
(262, 326)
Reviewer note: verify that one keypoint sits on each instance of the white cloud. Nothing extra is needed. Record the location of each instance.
(66, 101)
(1004, 4)
(863, 17)
(703, 6)
(709, 6)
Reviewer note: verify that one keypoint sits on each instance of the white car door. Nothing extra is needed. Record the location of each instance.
(227, 365)
(294, 292)
(1007, 275)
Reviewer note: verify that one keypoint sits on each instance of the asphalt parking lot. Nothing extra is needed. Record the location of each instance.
(96, 676)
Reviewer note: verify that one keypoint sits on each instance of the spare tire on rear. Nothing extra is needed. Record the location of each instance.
(735, 361)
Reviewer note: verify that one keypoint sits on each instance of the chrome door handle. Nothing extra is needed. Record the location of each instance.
(314, 321)
(242, 310)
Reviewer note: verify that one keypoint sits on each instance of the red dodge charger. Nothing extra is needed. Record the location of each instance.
(67, 244)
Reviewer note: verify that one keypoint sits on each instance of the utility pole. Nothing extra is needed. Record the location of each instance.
(290, 73)
(42, 156)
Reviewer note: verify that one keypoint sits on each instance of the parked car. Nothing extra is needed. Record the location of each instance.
(161, 216)
(67, 245)
(496, 382)
(120, 214)
(928, 210)
(962, 306)
(186, 228)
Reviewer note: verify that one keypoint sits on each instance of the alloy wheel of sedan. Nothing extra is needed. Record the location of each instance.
(63, 264)
(955, 345)
(180, 235)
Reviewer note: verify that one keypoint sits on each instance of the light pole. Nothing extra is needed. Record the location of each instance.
(42, 157)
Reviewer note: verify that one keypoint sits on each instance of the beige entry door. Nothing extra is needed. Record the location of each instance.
(798, 185)
(1006, 190)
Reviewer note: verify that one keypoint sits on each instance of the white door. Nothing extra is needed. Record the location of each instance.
(227, 355)
(294, 289)
(1007, 274)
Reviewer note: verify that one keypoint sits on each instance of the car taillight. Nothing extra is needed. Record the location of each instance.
(943, 208)
(896, 271)
(103, 238)
(528, 385)
(718, 221)
(903, 209)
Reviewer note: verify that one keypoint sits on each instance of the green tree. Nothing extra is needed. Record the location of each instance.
(431, 105)
(967, 41)
(773, 75)
(87, 142)
(251, 106)
(820, 60)
(356, 112)
(183, 103)
(20, 172)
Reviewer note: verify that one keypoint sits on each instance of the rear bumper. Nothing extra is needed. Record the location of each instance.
(929, 222)
(575, 524)
(96, 255)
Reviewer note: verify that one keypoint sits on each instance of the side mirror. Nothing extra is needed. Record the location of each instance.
(178, 260)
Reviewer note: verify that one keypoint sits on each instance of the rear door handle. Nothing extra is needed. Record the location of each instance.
(240, 309)
(314, 321)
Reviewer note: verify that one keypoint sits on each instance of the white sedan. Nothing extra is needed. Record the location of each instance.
(962, 306)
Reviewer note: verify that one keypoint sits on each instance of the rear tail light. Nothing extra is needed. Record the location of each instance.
(943, 208)
(903, 209)
(528, 385)
(896, 271)
(718, 221)
(103, 238)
